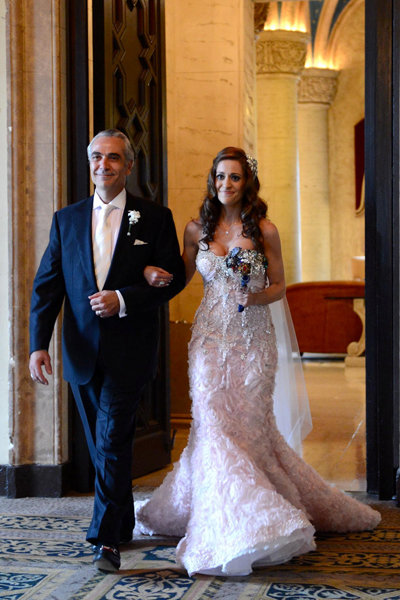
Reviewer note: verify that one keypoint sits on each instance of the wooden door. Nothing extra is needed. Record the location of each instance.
(382, 245)
(128, 94)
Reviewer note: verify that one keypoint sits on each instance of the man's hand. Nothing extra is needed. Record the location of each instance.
(105, 304)
(157, 277)
(36, 361)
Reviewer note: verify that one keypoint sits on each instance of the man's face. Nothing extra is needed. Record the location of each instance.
(108, 167)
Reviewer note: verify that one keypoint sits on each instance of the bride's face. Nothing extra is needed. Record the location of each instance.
(229, 182)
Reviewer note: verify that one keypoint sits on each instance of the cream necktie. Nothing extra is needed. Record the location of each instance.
(102, 245)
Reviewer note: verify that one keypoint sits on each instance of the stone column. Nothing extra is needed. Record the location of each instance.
(280, 60)
(38, 428)
(316, 92)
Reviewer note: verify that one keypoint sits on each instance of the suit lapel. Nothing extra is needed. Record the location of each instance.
(132, 203)
(83, 230)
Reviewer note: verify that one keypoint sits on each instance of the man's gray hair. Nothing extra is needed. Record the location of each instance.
(128, 150)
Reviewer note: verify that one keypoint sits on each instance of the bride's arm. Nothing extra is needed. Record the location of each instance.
(276, 276)
(190, 248)
(275, 270)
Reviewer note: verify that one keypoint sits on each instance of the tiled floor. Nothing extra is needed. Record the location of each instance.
(336, 445)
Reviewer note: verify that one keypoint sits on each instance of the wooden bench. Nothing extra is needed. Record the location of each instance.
(325, 318)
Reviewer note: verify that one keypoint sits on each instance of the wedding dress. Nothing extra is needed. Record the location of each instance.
(240, 496)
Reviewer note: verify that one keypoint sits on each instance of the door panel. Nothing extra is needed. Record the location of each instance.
(134, 87)
(128, 72)
(128, 94)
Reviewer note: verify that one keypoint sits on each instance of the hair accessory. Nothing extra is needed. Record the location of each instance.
(253, 164)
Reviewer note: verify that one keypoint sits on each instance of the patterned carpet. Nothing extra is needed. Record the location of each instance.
(44, 556)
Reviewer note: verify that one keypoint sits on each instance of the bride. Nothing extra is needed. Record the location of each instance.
(239, 496)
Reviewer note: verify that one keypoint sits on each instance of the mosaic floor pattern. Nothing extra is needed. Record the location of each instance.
(46, 557)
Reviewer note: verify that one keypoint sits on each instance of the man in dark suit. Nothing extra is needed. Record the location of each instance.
(94, 263)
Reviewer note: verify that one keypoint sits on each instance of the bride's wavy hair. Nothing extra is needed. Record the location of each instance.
(252, 210)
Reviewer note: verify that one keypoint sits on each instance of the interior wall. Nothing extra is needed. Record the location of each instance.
(210, 104)
(347, 53)
(36, 79)
(4, 242)
(210, 76)
(202, 118)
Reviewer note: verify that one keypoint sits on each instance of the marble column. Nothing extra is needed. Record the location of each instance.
(280, 57)
(316, 92)
(38, 427)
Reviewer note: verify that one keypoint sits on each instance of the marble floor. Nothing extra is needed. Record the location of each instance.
(336, 445)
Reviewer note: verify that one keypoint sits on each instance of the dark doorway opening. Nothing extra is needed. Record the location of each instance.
(127, 93)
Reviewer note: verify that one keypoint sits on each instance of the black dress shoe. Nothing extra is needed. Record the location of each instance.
(106, 558)
(126, 540)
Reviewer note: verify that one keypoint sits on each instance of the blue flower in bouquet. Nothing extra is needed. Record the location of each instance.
(240, 262)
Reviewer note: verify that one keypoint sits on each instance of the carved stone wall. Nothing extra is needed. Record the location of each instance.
(210, 104)
(347, 109)
(318, 86)
(37, 142)
(281, 52)
(4, 245)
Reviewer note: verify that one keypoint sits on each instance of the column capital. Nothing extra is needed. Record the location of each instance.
(281, 51)
(317, 86)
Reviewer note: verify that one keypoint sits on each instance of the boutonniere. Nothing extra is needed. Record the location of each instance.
(133, 216)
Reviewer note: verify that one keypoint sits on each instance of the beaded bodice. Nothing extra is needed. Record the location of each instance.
(217, 320)
(215, 271)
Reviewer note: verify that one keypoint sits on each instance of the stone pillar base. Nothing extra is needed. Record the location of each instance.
(45, 481)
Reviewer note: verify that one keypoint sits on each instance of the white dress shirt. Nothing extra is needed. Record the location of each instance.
(114, 219)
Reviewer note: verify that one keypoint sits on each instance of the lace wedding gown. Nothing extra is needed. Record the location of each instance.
(239, 495)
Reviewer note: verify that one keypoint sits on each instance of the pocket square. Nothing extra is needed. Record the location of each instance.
(139, 243)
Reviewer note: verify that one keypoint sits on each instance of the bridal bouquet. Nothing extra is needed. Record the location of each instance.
(238, 261)
(242, 261)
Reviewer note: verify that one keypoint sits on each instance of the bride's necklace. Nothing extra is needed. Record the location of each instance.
(227, 229)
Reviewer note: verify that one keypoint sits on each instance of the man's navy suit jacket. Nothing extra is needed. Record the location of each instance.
(128, 345)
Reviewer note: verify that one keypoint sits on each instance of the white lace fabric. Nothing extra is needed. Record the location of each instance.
(239, 495)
